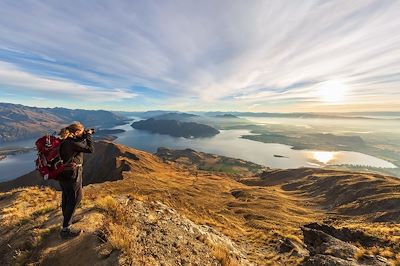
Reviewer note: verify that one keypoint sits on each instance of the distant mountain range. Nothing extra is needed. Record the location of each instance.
(351, 115)
(227, 116)
(145, 115)
(347, 115)
(19, 121)
(175, 116)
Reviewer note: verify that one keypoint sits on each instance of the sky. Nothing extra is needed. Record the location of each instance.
(225, 55)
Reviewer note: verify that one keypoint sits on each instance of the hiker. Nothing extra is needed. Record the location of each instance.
(75, 141)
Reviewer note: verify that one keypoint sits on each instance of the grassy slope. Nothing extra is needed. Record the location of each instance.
(255, 213)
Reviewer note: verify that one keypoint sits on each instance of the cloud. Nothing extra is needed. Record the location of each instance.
(11, 77)
(39, 98)
(212, 51)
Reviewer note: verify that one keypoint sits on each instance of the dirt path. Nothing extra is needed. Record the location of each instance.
(83, 250)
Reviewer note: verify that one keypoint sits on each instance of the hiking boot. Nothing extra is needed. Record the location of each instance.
(77, 218)
(66, 233)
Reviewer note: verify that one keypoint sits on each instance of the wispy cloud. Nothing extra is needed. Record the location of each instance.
(241, 53)
(17, 80)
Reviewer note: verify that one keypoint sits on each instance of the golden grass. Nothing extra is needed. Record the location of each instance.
(396, 260)
(386, 231)
(108, 204)
(120, 237)
(24, 212)
(268, 208)
(114, 208)
(223, 255)
(294, 238)
(119, 228)
(4, 195)
(360, 253)
(29, 203)
(258, 220)
(38, 235)
(387, 253)
(300, 261)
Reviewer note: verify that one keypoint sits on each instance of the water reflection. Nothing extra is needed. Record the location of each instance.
(323, 156)
(227, 143)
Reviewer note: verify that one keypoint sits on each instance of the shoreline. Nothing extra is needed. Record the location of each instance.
(113, 136)
(13, 151)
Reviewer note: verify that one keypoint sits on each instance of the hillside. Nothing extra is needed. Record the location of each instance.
(176, 128)
(205, 161)
(19, 121)
(311, 141)
(155, 210)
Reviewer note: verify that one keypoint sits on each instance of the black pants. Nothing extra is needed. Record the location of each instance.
(71, 195)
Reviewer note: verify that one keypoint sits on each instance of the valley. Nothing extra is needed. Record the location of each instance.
(252, 217)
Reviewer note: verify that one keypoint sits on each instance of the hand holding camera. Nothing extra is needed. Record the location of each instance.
(90, 131)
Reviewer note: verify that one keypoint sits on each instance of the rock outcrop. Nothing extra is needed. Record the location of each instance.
(326, 249)
(173, 239)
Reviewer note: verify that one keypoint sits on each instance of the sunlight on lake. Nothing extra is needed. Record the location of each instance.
(227, 143)
(323, 156)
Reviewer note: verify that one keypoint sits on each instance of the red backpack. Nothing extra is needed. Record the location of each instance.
(49, 163)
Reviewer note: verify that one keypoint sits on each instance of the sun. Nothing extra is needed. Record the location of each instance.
(332, 91)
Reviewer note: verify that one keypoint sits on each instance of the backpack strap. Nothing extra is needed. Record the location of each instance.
(68, 164)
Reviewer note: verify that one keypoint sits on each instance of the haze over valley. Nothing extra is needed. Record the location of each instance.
(272, 140)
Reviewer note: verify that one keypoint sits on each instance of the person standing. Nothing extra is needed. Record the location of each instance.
(76, 141)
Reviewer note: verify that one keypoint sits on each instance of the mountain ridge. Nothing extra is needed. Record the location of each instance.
(18, 121)
(248, 220)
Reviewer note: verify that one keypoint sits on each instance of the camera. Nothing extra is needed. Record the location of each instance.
(90, 131)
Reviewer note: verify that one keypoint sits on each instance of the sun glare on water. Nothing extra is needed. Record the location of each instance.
(323, 156)
(333, 91)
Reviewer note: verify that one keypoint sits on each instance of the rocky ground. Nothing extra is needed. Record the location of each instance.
(164, 237)
(327, 245)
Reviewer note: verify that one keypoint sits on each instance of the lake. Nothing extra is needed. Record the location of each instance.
(16, 165)
(227, 143)
(334, 125)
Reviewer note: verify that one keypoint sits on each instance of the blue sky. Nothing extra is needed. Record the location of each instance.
(274, 56)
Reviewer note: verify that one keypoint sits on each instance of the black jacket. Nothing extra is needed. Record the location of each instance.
(71, 151)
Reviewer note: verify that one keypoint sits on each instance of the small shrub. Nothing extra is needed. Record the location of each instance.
(300, 261)
(113, 208)
(223, 256)
(20, 256)
(387, 253)
(360, 254)
(120, 237)
(374, 251)
(108, 204)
